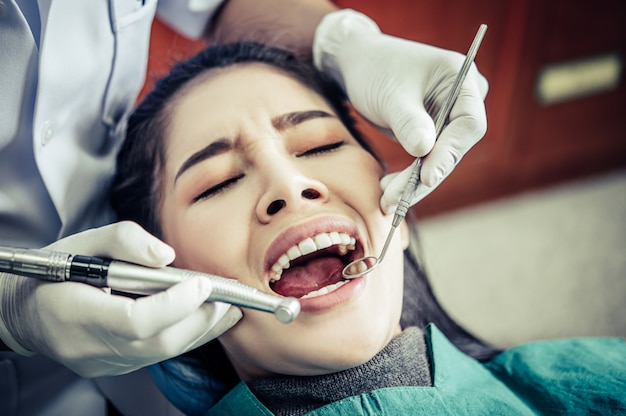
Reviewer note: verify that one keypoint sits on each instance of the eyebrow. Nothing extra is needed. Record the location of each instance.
(288, 120)
(224, 144)
(219, 146)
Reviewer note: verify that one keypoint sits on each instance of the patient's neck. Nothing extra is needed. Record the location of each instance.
(403, 362)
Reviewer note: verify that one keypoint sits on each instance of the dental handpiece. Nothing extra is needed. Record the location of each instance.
(130, 278)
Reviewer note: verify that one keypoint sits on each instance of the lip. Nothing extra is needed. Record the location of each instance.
(295, 234)
(330, 300)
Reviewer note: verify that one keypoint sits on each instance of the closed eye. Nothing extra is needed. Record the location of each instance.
(220, 187)
(322, 149)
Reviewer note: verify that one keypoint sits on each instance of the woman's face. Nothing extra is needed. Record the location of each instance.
(261, 175)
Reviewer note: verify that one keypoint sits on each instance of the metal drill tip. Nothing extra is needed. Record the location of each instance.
(287, 310)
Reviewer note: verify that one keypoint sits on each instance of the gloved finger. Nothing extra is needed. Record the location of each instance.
(467, 126)
(230, 317)
(143, 318)
(124, 240)
(412, 126)
(479, 79)
(203, 325)
(76, 307)
(393, 185)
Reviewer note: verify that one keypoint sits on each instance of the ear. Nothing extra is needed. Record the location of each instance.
(404, 234)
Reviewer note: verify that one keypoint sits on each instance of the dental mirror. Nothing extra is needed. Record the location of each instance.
(364, 265)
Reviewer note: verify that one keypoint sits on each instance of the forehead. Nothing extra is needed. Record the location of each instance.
(237, 102)
(242, 91)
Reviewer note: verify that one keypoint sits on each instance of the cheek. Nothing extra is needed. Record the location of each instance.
(358, 179)
(206, 237)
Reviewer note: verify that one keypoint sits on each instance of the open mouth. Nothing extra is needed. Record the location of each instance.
(313, 267)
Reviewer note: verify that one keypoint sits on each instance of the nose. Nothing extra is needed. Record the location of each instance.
(279, 204)
(290, 194)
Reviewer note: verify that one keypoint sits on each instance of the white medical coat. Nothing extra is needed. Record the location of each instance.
(64, 99)
(70, 71)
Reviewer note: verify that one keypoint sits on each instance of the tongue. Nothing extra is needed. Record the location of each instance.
(313, 275)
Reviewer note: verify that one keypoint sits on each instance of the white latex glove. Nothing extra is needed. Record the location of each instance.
(95, 333)
(399, 85)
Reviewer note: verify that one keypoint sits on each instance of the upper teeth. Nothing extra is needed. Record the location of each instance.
(343, 241)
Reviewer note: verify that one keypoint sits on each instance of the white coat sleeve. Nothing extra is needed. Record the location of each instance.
(188, 17)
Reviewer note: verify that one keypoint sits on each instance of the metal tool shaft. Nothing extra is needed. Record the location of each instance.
(131, 278)
(442, 118)
(40, 264)
(128, 277)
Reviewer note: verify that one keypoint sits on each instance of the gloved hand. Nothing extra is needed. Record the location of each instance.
(95, 333)
(399, 85)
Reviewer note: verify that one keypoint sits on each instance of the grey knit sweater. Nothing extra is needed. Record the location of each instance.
(403, 362)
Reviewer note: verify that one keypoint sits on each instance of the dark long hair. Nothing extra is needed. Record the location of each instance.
(196, 379)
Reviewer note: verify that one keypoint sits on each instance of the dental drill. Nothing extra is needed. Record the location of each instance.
(130, 278)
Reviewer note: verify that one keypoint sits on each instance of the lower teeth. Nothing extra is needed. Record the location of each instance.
(324, 290)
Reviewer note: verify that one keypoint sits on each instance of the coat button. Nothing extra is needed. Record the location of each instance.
(46, 133)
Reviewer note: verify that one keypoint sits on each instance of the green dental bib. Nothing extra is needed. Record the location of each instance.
(575, 376)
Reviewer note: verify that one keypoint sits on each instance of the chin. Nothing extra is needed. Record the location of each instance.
(346, 347)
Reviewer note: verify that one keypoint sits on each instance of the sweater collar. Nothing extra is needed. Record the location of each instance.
(403, 362)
